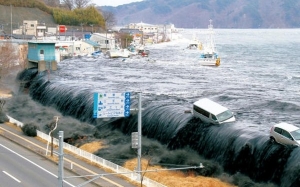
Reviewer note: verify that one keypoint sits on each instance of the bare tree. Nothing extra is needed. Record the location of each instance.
(69, 4)
(8, 59)
(81, 3)
(109, 18)
(13, 58)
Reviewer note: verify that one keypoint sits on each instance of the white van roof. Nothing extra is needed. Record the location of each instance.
(210, 106)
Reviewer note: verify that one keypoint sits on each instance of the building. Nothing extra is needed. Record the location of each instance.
(31, 28)
(41, 55)
(105, 40)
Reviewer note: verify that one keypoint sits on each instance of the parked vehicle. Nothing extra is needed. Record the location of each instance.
(285, 134)
(212, 112)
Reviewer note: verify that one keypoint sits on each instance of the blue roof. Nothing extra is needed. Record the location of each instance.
(94, 44)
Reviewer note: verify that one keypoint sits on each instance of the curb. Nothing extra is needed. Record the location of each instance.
(39, 152)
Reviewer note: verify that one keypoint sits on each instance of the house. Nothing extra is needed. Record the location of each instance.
(144, 27)
(105, 40)
(41, 54)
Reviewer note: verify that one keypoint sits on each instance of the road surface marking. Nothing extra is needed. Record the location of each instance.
(104, 178)
(12, 177)
(33, 163)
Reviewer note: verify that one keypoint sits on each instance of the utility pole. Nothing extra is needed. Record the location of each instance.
(61, 159)
(139, 169)
(11, 31)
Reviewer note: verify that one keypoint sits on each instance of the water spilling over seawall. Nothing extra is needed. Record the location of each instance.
(237, 149)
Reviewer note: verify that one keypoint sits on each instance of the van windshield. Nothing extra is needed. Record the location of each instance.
(224, 115)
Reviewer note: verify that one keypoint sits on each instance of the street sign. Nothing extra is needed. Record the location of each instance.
(109, 105)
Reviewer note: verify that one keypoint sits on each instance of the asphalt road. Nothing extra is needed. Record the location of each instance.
(23, 163)
(21, 167)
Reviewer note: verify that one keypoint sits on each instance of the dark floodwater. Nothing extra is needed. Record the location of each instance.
(258, 79)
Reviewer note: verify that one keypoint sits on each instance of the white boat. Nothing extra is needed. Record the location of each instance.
(117, 53)
(209, 55)
(195, 43)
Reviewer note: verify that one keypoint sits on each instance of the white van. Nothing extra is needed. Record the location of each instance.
(211, 112)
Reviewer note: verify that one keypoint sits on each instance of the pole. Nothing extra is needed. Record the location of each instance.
(61, 159)
(106, 41)
(139, 137)
(11, 22)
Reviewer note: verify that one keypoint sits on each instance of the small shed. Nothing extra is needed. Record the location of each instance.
(41, 54)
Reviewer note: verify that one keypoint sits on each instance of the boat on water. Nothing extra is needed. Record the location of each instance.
(118, 53)
(195, 44)
(209, 55)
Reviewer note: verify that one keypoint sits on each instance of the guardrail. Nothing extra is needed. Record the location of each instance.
(95, 159)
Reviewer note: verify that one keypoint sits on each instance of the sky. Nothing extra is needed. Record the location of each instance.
(113, 2)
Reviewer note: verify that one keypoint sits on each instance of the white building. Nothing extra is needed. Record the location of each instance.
(105, 40)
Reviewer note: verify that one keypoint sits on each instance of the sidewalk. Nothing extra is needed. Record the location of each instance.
(71, 162)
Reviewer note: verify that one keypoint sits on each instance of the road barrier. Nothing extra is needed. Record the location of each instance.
(95, 159)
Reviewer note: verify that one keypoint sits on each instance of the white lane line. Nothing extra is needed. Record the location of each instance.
(12, 176)
(34, 164)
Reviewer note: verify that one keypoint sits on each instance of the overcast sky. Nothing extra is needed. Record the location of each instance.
(113, 2)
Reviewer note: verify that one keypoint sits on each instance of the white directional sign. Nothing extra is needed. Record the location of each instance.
(108, 105)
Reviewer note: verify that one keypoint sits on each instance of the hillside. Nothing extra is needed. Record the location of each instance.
(224, 13)
(22, 13)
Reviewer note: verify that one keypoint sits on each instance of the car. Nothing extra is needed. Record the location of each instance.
(211, 112)
(285, 134)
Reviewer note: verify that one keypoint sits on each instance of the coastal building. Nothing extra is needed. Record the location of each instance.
(41, 55)
(155, 33)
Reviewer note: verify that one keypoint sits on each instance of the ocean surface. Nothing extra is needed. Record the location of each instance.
(258, 79)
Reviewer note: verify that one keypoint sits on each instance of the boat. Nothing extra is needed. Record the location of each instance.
(117, 53)
(138, 50)
(209, 55)
(195, 44)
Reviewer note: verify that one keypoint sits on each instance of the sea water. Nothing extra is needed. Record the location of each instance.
(258, 79)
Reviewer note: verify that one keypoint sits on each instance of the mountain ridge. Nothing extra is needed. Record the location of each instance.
(224, 13)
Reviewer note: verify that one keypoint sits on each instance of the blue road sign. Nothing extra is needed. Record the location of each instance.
(108, 105)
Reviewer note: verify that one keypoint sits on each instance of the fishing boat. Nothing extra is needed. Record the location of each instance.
(209, 55)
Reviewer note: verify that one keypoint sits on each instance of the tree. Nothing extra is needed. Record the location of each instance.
(81, 3)
(8, 59)
(109, 19)
(71, 4)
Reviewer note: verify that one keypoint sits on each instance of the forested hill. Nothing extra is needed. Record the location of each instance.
(224, 13)
(14, 12)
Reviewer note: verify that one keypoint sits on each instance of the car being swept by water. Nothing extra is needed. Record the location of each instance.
(285, 134)
(211, 112)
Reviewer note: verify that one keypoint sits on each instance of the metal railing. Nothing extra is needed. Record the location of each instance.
(95, 159)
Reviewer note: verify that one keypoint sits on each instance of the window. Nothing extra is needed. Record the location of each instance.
(213, 117)
(41, 51)
(278, 130)
(201, 111)
(296, 134)
(286, 134)
(224, 115)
